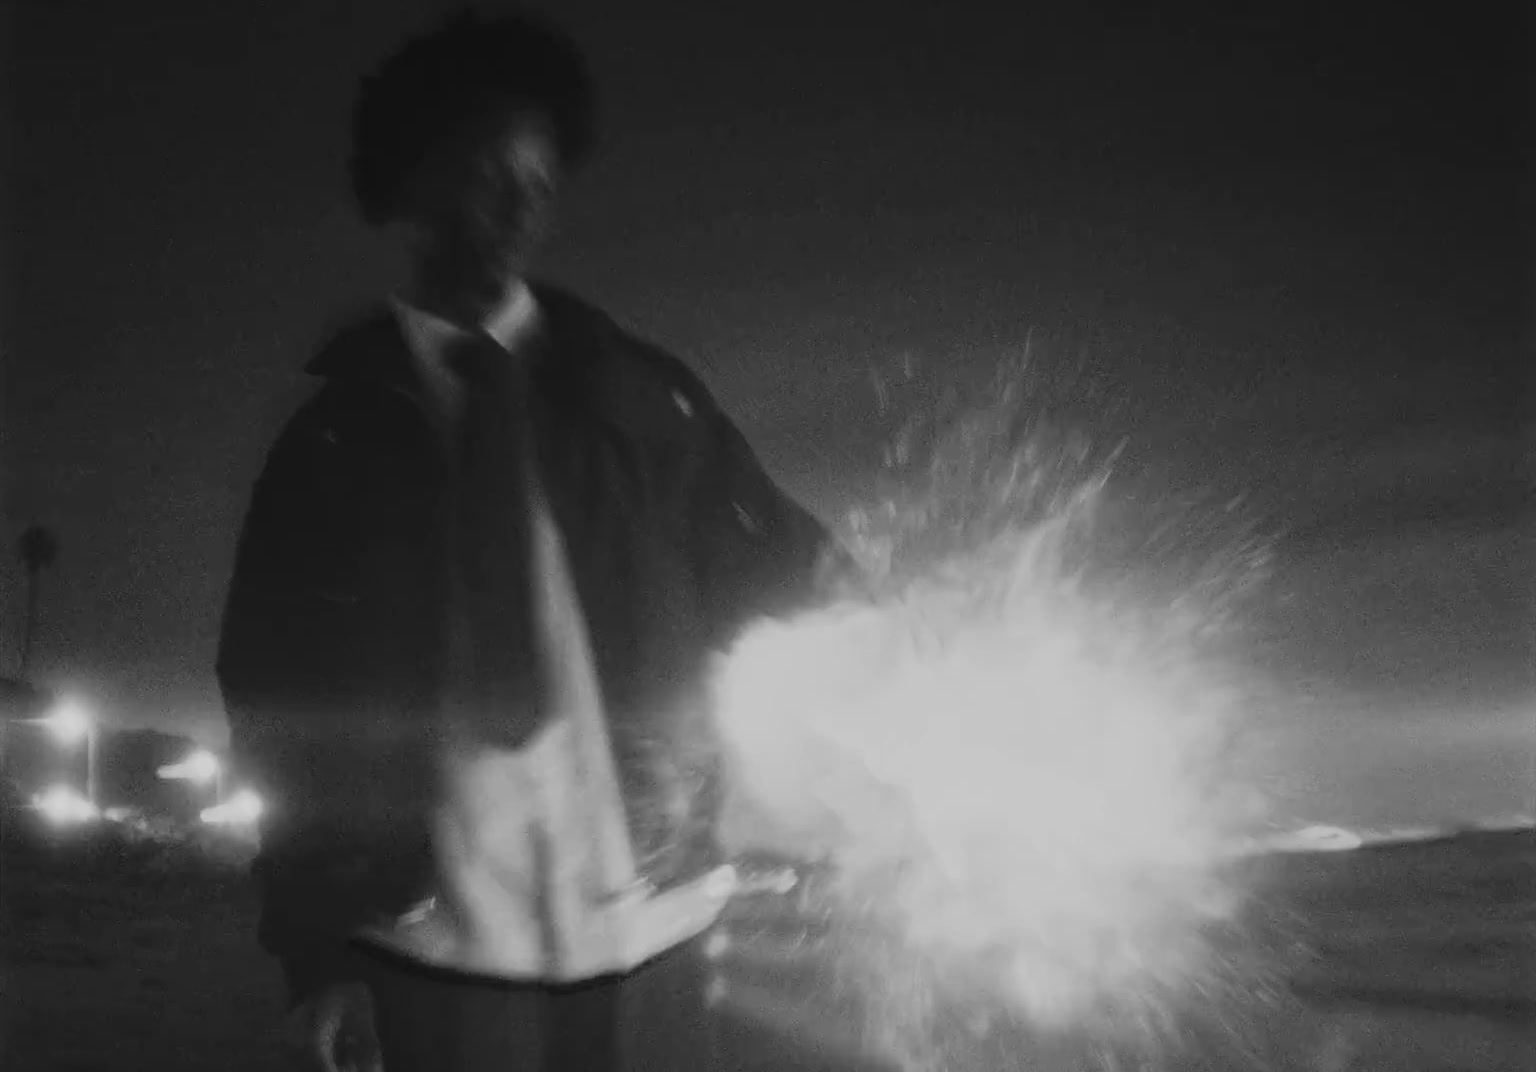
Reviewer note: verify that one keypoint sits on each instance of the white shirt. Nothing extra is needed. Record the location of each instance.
(428, 336)
(585, 912)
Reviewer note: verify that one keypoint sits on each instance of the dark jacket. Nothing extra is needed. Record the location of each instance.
(332, 653)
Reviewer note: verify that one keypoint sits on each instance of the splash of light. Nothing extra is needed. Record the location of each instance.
(1013, 752)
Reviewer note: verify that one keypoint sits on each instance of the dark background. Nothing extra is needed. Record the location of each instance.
(1293, 238)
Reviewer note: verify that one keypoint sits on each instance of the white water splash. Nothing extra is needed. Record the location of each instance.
(1015, 749)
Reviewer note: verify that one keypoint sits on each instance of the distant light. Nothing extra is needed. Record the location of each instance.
(1397, 834)
(62, 806)
(715, 992)
(202, 766)
(69, 722)
(1317, 839)
(243, 808)
(717, 945)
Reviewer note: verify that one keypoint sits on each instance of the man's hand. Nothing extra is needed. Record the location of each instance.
(334, 1030)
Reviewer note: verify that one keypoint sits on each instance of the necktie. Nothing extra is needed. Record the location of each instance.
(497, 691)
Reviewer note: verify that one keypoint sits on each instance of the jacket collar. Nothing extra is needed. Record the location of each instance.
(374, 348)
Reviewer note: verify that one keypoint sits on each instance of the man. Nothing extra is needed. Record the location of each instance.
(478, 587)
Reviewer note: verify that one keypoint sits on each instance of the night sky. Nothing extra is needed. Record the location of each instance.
(1291, 240)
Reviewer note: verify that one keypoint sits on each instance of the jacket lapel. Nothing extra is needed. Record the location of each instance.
(591, 481)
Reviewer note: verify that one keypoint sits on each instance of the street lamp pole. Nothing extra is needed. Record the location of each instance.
(69, 722)
(91, 787)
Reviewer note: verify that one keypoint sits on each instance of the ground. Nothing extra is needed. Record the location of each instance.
(1418, 958)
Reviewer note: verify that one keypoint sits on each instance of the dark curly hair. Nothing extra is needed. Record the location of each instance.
(438, 82)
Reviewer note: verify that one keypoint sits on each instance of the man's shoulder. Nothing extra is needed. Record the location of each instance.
(637, 381)
(626, 358)
(332, 400)
(367, 337)
(355, 340)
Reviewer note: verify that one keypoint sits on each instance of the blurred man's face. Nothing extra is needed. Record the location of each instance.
(482, 206)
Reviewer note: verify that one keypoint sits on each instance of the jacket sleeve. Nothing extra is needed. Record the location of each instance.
(763, 553)
(291, 710)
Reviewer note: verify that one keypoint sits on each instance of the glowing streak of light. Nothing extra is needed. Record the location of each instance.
(201, 766)
(243, 808)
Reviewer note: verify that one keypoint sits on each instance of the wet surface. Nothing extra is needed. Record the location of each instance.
(1414, 957)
